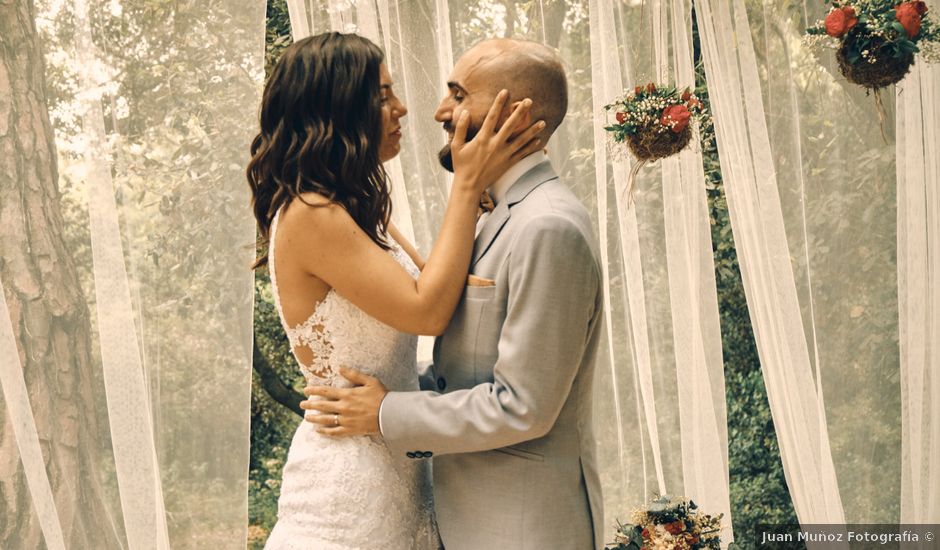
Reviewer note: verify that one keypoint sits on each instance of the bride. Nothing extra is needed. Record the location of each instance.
(349, 289)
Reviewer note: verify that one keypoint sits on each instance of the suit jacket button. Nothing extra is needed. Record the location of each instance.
(410, 454)
(441, 383)
(428, 454)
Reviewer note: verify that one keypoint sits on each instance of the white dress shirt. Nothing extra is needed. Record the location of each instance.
(501, 186)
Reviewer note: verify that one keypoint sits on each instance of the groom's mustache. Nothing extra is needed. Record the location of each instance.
(444, 156)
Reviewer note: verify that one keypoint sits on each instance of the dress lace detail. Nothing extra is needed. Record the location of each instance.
(313, 334)
(351, 493)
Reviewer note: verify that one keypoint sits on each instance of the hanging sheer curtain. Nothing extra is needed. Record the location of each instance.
(810, 183)
(918, 173)
(670, 309)
(148, 104)
(660, 391)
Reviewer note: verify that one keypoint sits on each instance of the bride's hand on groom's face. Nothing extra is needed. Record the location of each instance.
(482, 160)
(346, 411)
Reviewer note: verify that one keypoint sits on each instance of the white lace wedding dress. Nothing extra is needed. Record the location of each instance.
(351, 493)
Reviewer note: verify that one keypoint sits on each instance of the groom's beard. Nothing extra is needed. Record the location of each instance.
(444, 156)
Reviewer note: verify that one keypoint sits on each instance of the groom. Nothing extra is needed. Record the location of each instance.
(506, 407)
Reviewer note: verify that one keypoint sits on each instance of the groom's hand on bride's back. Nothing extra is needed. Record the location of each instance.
(346, 411)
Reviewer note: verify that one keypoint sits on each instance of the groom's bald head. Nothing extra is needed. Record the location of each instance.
(525, 69)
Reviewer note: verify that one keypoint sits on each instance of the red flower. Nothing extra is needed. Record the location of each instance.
(676, 117)
(650, 87)
(638, 90)
(646, 534)
(840, 20)
(909, 14)
(675, 527)
(694, 104)
(686, 95)
(849, 12)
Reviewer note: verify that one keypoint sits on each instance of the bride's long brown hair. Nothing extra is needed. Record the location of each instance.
(321, 128)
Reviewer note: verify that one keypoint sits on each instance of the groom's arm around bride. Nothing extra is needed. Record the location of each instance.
(513, 390)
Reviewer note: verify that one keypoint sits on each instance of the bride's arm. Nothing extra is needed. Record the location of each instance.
(406, 246)
(329, 244)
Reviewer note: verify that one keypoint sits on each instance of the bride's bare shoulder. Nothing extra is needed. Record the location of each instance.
(311, 201)
(313, 210)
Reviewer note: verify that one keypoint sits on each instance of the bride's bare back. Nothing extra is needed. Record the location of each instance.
(301, 291)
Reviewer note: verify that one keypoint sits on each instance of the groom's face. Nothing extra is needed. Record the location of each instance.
(472, 86)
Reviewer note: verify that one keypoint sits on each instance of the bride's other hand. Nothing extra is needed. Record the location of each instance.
(482, 160)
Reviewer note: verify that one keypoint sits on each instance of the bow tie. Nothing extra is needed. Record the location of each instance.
(486, 202)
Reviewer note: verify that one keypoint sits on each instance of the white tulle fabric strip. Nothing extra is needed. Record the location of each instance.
(693, 292)
(16, 398)
(132, 434)
(918, 173)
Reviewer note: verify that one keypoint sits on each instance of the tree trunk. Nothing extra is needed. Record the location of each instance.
(273, 385)
(47, 308)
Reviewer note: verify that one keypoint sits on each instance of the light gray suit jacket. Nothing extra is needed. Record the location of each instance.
(506, 407)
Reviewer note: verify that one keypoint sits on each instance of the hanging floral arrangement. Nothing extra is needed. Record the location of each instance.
(653, 122)
(669, 523)
(875, 40)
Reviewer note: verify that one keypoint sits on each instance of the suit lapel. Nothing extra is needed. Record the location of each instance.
(500, 215)
(491, 227)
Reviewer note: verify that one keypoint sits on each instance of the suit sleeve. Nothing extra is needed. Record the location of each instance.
(427, 381)
(552, 299)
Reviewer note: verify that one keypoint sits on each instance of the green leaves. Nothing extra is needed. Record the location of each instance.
(906, 47)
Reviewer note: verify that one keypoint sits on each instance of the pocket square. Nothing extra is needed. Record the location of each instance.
(473, 280)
